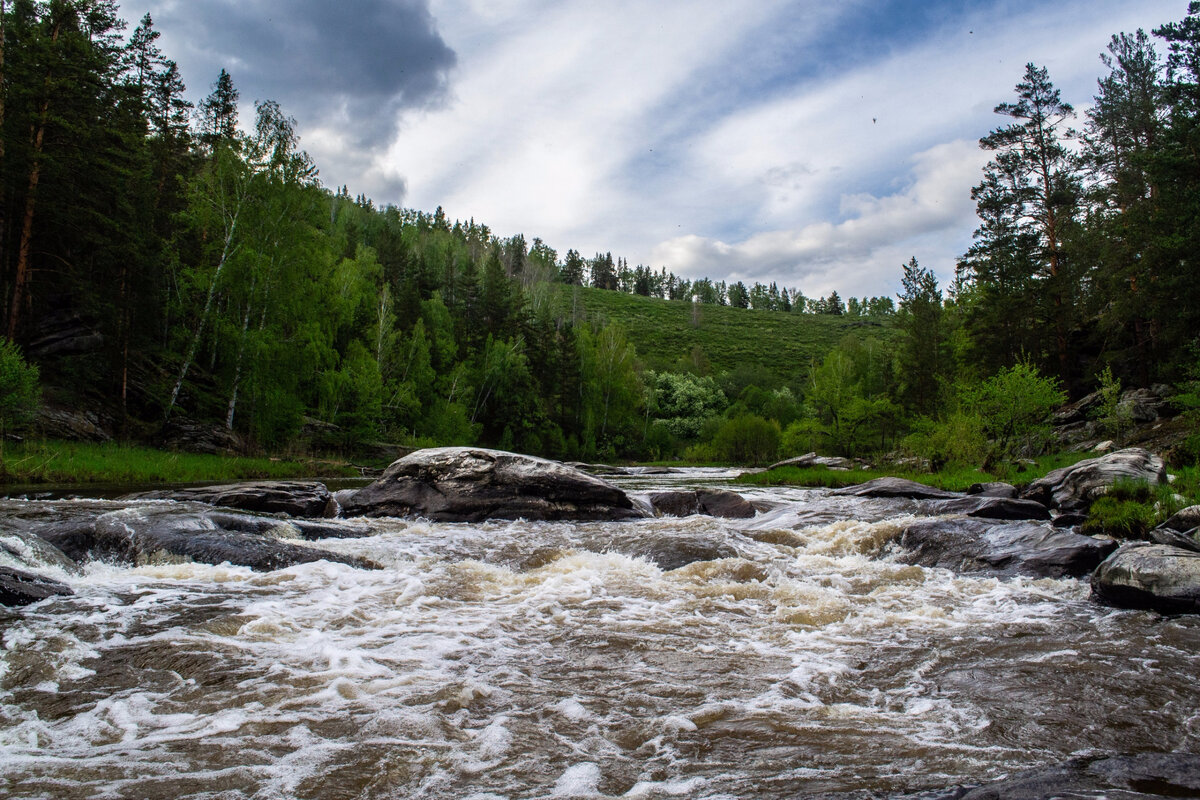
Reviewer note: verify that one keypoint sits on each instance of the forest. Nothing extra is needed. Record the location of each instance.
(168, 265)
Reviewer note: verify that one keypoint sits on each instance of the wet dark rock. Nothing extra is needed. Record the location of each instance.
(1154, 576)
(1144, 775)
(1187, 541)
(20, 588)
(20, 541)
(896, 487)
(994, 489)
(148, 535)
(75, 538)
(1184, 519)
(1074, 488)
(673, 550)
(294, 498)
(471, 484)
(712, 502)
(987, 507)
(965, 544)
(1069, 520)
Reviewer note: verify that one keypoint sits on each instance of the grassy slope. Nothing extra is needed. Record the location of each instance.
(84, 462)
(663, 331)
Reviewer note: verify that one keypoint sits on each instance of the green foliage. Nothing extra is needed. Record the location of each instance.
(1120, 518)
(1013, 407)
(959, 440)
(1114, 419)
(747, 439)
(19, 392)
(679, 403)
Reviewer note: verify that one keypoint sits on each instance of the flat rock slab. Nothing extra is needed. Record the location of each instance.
(1159, 577)
(814, 460)
(987, 507)
(896, 487)
(1184, 520)
(149, 536)
(1074, 488)
(1035, 549)
(472, 484)
(1144, 775)
(993, 489)
(711, 502)
(294, 498)
(20, 588)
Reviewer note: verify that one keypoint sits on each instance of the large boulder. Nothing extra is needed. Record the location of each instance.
(1184, 520)
(964, 544)
(148, 535)
(896, 487)
(1130, 777)
(294, 498)
(20, 588)
(471, 484)
(1074, 488)
(814, 460)
(1154, 576)
(712, 502)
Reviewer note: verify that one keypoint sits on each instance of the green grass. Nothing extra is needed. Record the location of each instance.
(83, 462)
(665, 331)
(954, 479)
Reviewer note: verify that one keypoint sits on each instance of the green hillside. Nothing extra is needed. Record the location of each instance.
(665, 331)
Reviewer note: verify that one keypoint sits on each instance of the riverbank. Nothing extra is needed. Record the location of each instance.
(60, 462)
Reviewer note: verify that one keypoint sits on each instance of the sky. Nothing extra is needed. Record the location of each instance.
(818, 144)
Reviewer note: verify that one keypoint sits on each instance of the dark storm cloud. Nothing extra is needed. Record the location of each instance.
(350, 66)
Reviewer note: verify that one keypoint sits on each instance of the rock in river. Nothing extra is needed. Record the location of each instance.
(1143, 775)
(966, 544)
(20, 588)
(896, 487)
(712, 502)
(471, 484)
(294, 498)
(1155, 576)
(1074, 488)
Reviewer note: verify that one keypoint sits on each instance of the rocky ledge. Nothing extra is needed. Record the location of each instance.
(472, 484)
(1130, 777)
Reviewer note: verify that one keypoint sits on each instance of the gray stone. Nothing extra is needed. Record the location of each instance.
(1074, 488)
(896, 487)
(20, 588)
(471, 484)
(1129, 777)
(1154, 576)
(1184, 519)
(147, 535)
(294, 498)
(713, 502)
(987, 507)
(1017, 548)
(1187, 541)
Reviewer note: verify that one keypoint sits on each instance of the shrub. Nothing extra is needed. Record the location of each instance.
(747, 439)
(1120, 519)
(18, 391)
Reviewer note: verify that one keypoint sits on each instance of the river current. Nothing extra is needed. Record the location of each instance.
(531, 660)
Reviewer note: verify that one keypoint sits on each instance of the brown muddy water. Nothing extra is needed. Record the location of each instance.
(539, 660)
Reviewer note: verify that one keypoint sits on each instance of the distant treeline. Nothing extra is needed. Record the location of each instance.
(163, 264)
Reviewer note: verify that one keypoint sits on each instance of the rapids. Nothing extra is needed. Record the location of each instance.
(530, 660)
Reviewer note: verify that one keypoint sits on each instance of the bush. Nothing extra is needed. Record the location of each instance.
(1014, 405)
(958, 440)
(1120, 519)
(747, 439)
(19, 392)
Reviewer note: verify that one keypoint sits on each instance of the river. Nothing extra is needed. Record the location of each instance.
(529, 660)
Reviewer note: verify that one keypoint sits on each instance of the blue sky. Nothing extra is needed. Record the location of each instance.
(815, 144)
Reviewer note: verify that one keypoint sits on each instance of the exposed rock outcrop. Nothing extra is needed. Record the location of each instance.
(1074, 488)
(964, 544)
(20, 588)
(1131, 777)
(471, 484)
(896, 487)
(294, 498)
(987, 507)
(1183, 520)
(814, 460)
(712, 502)
(1154, 576)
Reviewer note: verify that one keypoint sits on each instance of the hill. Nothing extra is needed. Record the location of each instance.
(666, 331)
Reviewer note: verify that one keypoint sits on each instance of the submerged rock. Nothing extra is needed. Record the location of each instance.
(712, 502)
(294, 498)
(965, 544)
(1074, 488)
(1155, 576)
(896, 487)
(472, 484)
(1143, 775)
(20, 588)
